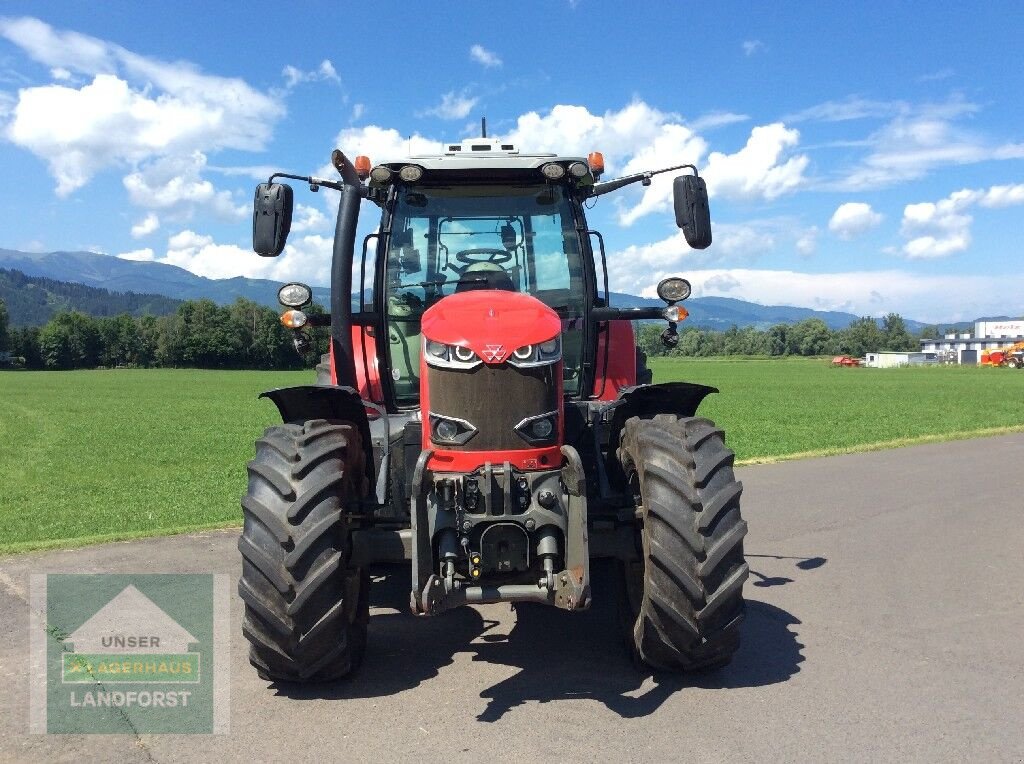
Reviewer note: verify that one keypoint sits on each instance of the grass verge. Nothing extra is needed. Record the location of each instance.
(95, 456)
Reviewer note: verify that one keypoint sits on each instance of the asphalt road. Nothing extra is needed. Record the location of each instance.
(885, 622)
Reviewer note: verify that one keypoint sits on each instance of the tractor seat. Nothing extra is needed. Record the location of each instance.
(484, 276)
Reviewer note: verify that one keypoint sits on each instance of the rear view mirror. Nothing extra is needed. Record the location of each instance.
(692, 212)
(271, 218)
(509, 240)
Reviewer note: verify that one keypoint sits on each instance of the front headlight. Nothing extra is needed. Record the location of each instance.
(451, 431)
(541, 354)
(540, 430)
(436, 350)
(449, 356)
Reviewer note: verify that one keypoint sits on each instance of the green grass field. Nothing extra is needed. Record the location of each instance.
(103, 455)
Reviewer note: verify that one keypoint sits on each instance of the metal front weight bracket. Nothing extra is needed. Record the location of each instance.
(572, 586)
(432, 594)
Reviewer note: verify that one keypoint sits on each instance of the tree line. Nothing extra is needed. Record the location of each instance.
(247, 335)
(200, 334)
(809, 337)
(34, 300)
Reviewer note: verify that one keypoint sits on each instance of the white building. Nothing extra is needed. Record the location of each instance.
(968, 346)
(886, 359)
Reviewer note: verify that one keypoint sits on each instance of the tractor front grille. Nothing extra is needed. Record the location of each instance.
(493, 399)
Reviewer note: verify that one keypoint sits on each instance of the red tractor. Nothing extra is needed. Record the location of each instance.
(484, 415)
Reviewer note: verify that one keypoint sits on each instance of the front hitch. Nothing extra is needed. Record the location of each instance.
(568, 589)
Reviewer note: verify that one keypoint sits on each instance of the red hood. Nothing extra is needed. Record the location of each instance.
(485, 319)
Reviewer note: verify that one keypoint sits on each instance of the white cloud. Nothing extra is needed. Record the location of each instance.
(941, 74)
(141, 255)
(307, 218)
(921, 139)
(850, 108)
(714, 119)
(484, 57)
(146, 226)
(55, 49)
(742, 240)
(807, 242)
(258, 172)
(635, 138)
(921, 296)
(637, 266)
(380, 145)
(7, 102)
(942, 228)
(750, 47)
(133, 108)
(1003, 196)
(60, 73)
(174, 185)
(453, 106)
(306, 258)
(325, 72)
(939, 229)
(759, 169)
(853, 219)
(721, 282)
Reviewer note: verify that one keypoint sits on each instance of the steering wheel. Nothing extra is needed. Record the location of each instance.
(495, 255)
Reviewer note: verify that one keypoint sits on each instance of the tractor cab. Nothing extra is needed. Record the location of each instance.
(447, 239)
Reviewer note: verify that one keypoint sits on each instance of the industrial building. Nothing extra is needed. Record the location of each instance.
(886, 359)
(967, 346)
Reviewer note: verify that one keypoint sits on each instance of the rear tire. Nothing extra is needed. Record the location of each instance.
(306, 610)
(1013, 363)
(686, 598)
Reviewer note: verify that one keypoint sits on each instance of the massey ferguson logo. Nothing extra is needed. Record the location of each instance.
(494, 353)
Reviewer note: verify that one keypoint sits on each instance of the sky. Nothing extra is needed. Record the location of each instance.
(866, 157)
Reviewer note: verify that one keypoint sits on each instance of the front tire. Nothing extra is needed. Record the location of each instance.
(306, 610)
(686, 599)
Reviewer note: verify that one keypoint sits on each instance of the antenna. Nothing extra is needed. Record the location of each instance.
(483, 127)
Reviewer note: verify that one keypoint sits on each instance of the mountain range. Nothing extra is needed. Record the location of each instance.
(117, 275)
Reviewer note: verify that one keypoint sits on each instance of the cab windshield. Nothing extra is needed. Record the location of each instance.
(452, 239)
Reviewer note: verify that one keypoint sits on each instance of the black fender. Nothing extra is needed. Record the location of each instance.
(645, 401)
(334, 402)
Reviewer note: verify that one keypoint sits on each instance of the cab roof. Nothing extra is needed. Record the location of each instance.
(481, 153)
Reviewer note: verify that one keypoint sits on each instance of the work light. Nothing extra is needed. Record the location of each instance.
(673, 289)
(295, 295)
(552, 170)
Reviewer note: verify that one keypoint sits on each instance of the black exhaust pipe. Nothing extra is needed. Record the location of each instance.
(341, 284)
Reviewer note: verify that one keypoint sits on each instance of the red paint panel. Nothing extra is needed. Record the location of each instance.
(364, 346)
(618, 338)
(467, 461)
(486, 319)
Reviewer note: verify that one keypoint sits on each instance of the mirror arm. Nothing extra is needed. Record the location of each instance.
(598, 189)
(627, 314)
(313, 181)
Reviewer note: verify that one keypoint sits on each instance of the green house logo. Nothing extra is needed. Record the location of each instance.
(131, 639)
(130, 653)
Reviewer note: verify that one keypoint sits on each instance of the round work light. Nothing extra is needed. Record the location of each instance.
(673, 289)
